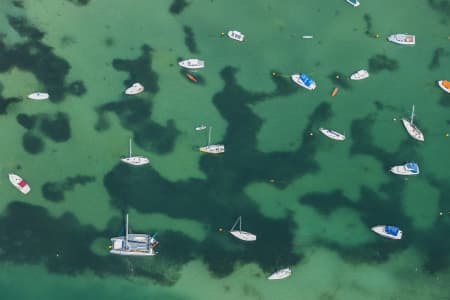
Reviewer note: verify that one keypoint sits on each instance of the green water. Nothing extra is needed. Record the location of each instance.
(310, 201)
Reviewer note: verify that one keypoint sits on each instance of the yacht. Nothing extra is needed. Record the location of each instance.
(412, 129)
(135, 89)
(354, 3)
(334, 135)
(212, 149)
(192, 63)
(134, 244)
(410, 168)
(19, 183)
(236, 35)
(361, 74)
(304, 81)
(402, 39)
(445, 85)
(135, 160)
(200, 127)
(280, 274)
(391, 232)
(38, 96)
(242, 235)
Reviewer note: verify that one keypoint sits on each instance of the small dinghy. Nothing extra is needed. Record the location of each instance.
(38, 96)
(242, 235)
(410, 168)
(334, 92)
(190, 77)
(236, 35)
(391, 232)
(200, 127)
(280, 274)
(19, 183)
(307, 37)
(334, 135)
(135, 89)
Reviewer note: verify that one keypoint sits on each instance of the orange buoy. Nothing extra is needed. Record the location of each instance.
(334, 92)
(190, 77)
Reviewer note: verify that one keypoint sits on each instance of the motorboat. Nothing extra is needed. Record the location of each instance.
(38, 96)
(135, 160)
(361, 74)
(134, 244)
(445, 85)
(307, 37)
(135, 89)
(304, 81)
(410, 168)
(412, 129)
(200, 127)
(236, 35)
(240, 234)
(192, 63)
(354, 3)
(402, 39)
(212, 149)
(391, 232)
(19, 183)
(280, 274)
(334, 135)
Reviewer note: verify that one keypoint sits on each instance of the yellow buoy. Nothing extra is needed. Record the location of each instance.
(274, 74)
(222, 33)
(446, 135)
(220, 229)
(377, 35)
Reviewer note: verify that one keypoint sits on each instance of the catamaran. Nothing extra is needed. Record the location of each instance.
(334, 135)
(236, 35)
(402, 39)
(38, 96)
(212, 149)
(410, 168)
(135, 89)
(242, 235)
(192, 63)
(444, 85)
(19, 183)
(135, 160)
(280, 274)
(304, 81)
(138, 244)
(361, 74)
(391, 232)
(412, 129)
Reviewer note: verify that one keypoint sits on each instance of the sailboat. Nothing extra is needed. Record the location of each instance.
(242, 235)
(412, 129)
(138, 244)
(280, 274)
(212, 149)
(135, 160)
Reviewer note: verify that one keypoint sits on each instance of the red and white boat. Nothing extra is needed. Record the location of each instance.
(19, 183)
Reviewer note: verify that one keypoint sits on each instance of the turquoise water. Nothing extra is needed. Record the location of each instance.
(311, 201)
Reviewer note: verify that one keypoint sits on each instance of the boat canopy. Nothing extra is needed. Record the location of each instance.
(306, 79)
(392, 230)
(413, 167)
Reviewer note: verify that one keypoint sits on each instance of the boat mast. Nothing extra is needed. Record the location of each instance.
(126, 233)
(130, 147)
(209, 136)
(240, 223)
(412, 115)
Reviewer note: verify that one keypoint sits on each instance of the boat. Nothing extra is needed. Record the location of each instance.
(307, 37)
(334, 135)
(242, 235)
(38, 96)
(412, 129)
(135, 89)
(391, 232)
(354, 3)
(212, 149)
(304, 81)
(134, 244)
(190, 77)
(445, 85)
(236, 35)
(334, 92)
(402, 39)
(280, 274)
(192, 63)
(410, 168)
(200, 127)
(361, 74)
(135, 160)
(19, 183)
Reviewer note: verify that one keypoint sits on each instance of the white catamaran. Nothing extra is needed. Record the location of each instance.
(412, 129)
(135, 160)
(139, 244)
(212, 149)
(242, 235)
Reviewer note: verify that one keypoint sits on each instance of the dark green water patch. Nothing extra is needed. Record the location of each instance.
(32, 143)
(18, 3)
(381, 62)
(189, 39)
(369, 25)
(438, 54)
(441, 6)
(444, 100)
(178, 6)
(79, 2)
(340, 80)
(24, 29)
(76, 88)
(54, 191)
(55, 127)
(5, 102)
(28, 122)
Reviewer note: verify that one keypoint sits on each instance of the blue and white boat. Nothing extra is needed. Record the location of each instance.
(410, 168)
(354, 3)
(304, 81)
(391, 232)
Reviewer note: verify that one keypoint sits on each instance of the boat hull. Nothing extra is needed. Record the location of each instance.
(19, 183)
(135, 89)
(443, 87)
(296, 78)
(401, 170)
(38, 96)
(360, 75)
(402, 39)
(192, 63)
(243, 235)
(380, 231)
(200, 128)
(213, 149)
(412, 130)
(236, 35)
(281, 274)
(334, 135)
(136, 160)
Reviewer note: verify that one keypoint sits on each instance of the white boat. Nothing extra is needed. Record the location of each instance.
(135, 160)
(242, 235)
(212, 149)
(391, 232)
(332, 134)
(306, 37)
(412, 129)
(304, 81)
(192, 63)
(135, 89)
(236, 35)
(410, 168)
(134, 244)
(402, 39)
(19, 183)
(200, 127)
(354, 3)
(444, 85)
(361, 74)
(280, 274)
(38, 96)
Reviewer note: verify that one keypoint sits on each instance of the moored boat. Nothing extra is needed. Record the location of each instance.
(391, 232)
(307, 37)
(361, 74)
(236, 35)
(135, 89)
(354, 3)
(334, 92)
(334, 135)
(190, 77)
(192, 63)
(444, 85)
(410, 168)
(38, 96)
(19, 183)
(212, 149)
(304, 81)
(200, 127)
(240, 234)
(280, 274)
(412, 129)
(135, 160)
(402, 39)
